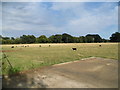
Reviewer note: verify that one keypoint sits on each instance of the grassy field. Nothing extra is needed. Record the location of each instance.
(25, 58)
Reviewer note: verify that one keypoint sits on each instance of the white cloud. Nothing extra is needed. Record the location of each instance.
(73, 18)
(94, 21)
(66, 6)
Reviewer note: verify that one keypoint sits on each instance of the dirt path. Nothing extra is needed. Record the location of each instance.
(87, 73)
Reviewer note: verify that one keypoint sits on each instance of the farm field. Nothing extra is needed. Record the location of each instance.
(25, 58)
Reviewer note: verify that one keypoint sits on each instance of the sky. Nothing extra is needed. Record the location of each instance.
(50, 18)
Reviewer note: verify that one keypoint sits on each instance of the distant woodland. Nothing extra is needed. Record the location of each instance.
(59, 38)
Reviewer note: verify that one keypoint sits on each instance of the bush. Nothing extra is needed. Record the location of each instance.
(14, 70)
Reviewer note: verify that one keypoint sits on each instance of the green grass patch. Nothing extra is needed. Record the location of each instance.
(33, 57)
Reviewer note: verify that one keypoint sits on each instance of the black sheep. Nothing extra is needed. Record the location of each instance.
(74, 49)
(12, 47)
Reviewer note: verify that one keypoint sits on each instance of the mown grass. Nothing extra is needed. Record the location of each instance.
(35, 56)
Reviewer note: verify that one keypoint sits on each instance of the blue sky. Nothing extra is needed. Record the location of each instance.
(48, 18)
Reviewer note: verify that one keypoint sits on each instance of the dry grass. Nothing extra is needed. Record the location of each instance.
(35, 56)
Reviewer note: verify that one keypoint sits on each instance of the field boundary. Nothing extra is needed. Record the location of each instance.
(74, 61)
(84, 59)
(9, 50)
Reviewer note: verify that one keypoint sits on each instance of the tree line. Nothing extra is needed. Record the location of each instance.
(59, 38)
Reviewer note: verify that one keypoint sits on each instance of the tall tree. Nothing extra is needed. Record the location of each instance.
(17, 41)
(82, 39)
(0, 39)
(66, 38)
(76, 39)
(56, 38)
(28, 39)
(115, 37)
(52, 39)
(93, 38)
(42, 39)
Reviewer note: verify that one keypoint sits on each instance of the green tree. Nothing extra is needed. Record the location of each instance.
(12, 38)
(105, 40)
(82, 39)
(28, 39)
(66, 38)
(76, 39)
(51, 39)
(93, 38)
(42, 39)
(115, 37)
(8, 41)
(89, 39)
(56, 38)
(0, 39)
(17, 41)
(5, 38)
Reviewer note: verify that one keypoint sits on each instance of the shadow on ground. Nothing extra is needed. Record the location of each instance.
(21, 80)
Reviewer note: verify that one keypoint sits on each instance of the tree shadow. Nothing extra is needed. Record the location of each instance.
(22, 80)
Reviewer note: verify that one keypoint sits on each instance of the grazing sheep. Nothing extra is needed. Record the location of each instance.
(74, 49)
(12, 47)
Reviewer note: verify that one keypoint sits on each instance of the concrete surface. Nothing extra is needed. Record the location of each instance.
(86, 73)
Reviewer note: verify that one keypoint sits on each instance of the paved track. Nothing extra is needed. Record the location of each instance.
(98, 72)
(87, 73)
